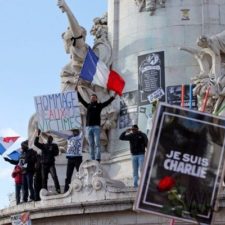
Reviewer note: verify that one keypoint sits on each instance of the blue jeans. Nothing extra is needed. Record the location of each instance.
(137, 163)
(28, 185)
(94, 142)
(18, 188)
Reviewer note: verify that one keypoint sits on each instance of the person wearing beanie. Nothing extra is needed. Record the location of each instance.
(24, 144)
(138, 143)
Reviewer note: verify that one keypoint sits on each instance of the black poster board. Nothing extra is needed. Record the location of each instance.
(151, 75)
(183, 167)
(128, 109)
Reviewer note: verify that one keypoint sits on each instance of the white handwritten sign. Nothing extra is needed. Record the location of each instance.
(58, 111)
(156, 95)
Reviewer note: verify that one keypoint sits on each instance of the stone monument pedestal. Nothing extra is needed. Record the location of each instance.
(92, 205)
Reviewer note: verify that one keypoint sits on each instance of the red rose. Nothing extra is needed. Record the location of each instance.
(166, 183)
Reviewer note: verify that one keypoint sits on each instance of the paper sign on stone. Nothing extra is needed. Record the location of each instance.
(156, 95)
(58, 111)
(183, 167)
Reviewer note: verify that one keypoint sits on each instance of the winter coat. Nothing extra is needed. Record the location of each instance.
(27, 161)
(49, 151)
(17, 174)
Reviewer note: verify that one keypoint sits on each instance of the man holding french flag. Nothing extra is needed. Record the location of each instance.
(96, 72)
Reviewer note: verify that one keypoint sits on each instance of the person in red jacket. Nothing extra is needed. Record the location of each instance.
(17, 175)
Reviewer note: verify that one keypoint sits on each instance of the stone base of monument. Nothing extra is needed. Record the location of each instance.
(94, 198)
(118, 167)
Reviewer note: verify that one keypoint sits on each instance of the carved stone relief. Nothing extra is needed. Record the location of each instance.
(90, 178)
(211, 60)
(150, 5)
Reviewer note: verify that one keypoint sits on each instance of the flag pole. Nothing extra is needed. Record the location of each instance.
(205, 100)
(182, 95)
(190, 96)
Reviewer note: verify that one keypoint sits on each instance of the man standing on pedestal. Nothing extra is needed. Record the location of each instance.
(49, 151)
(138, 142)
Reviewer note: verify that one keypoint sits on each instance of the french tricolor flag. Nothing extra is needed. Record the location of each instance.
(96, 72)
(15, 155)
(6, 142)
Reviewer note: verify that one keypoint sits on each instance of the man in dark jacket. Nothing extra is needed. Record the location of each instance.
(93, 122)
(138, 142)
(49, 151)
(27, 161)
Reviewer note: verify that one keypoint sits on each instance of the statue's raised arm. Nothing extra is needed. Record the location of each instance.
(78, 32)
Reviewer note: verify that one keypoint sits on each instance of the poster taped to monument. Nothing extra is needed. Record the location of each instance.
(156, 95)
(21, 219)
(183, 168)
(58, 111)
(128, 109)
(174, 96)
(151, 75)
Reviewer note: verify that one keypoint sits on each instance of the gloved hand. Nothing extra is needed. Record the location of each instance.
(6, 159)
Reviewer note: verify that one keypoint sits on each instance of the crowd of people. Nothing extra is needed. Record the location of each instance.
(31, 169)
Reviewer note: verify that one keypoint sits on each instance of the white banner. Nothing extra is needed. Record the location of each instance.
(58, 111)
